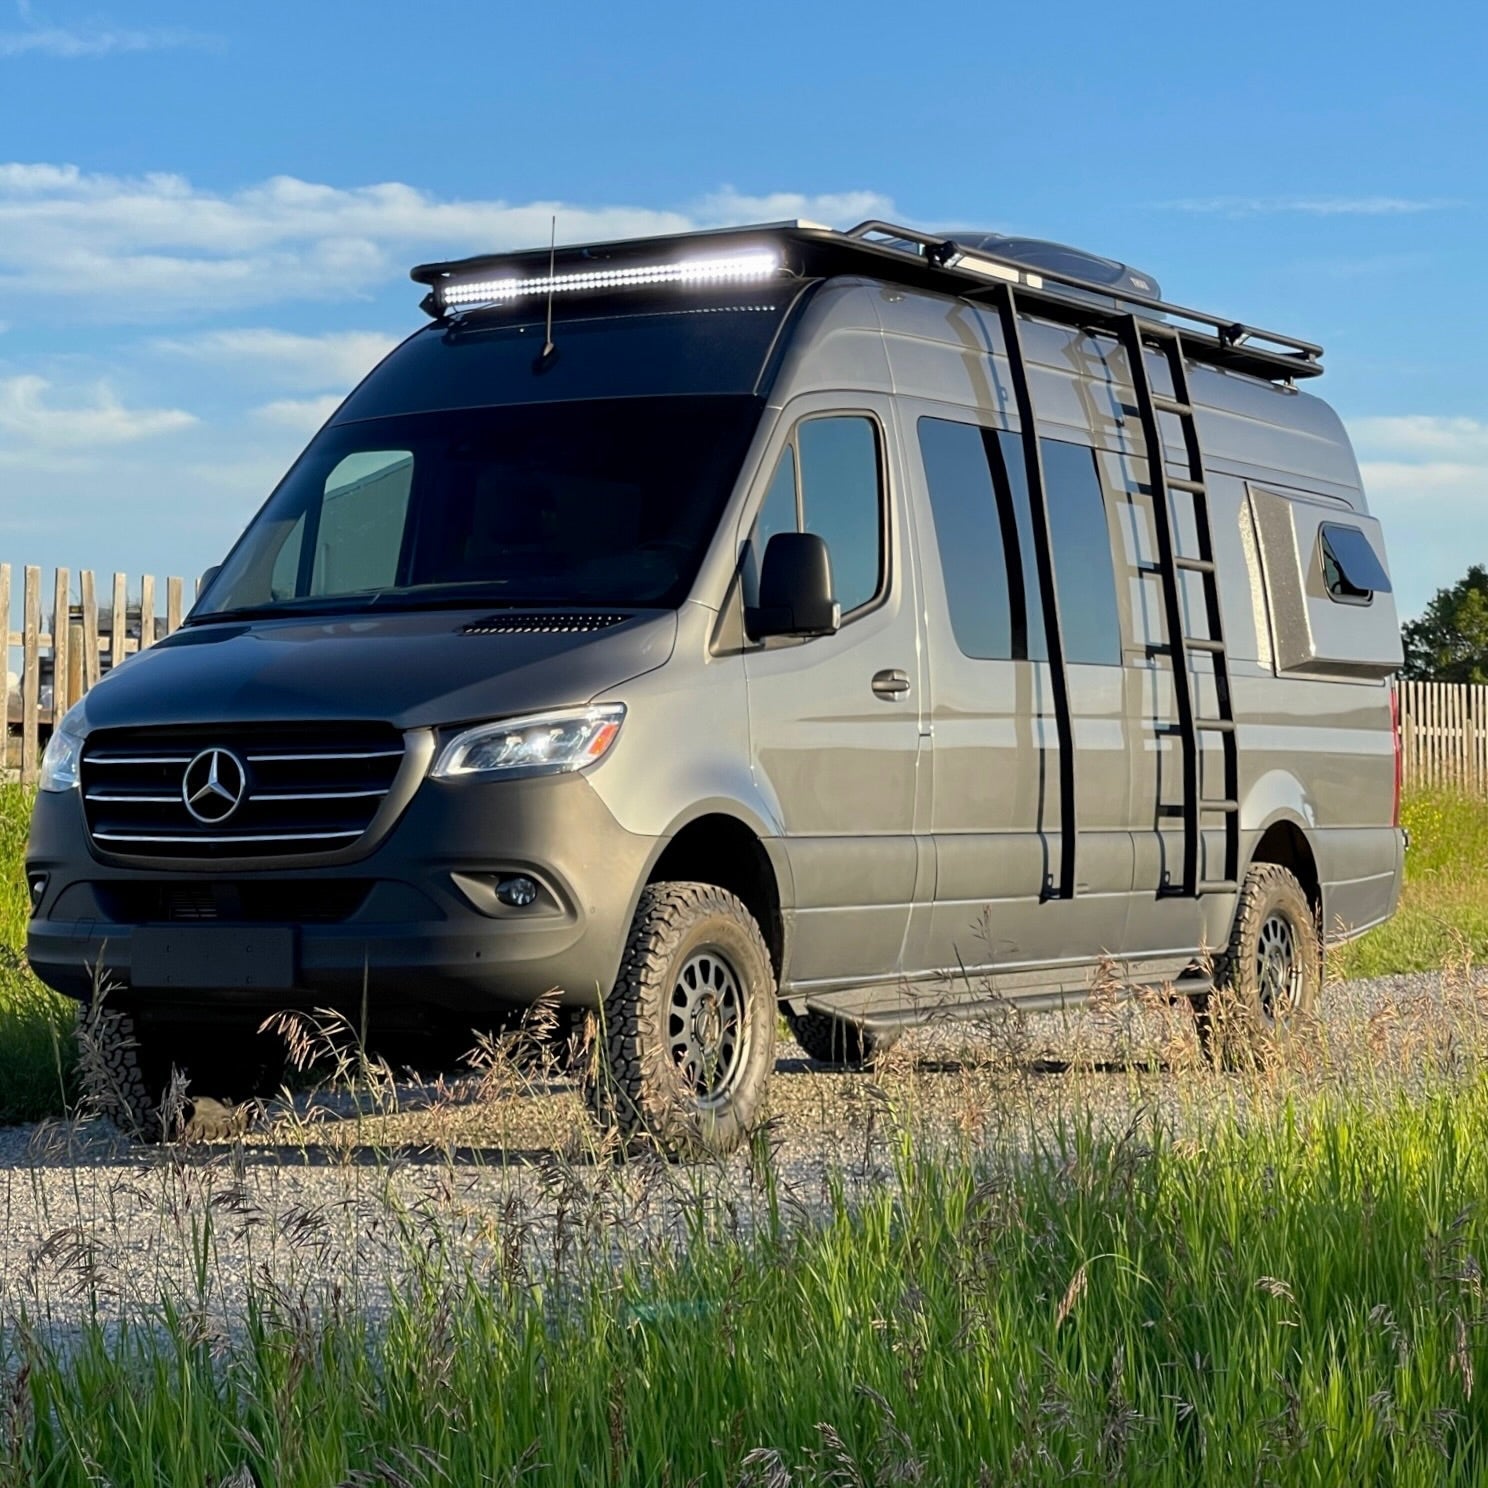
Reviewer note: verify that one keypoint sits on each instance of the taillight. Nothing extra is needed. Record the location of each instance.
(1399, 755)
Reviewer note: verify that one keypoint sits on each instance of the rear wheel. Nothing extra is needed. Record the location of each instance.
(147, 1074)
(688, 1031)
(1268, 980)
(837, 1043)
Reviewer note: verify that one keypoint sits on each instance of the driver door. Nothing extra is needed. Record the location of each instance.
(836, 721)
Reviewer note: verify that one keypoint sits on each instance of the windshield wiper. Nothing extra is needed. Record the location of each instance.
(320, 605)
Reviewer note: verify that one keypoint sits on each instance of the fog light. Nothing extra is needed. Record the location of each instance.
(516, 893)
(37, 883)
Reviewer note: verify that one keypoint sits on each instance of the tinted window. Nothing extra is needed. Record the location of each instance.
(597, 503)
(985, 533)
(779, 513)
(616, 349)
(841, 502)
(970, 516)
(362, 519)
(1082, 554)
(1015, 474)
(1351, 570)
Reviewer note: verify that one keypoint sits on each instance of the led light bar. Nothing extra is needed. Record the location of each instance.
(758, 264)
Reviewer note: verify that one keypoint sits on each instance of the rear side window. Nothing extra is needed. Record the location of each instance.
(975, 530)
(1083, 566)
(979, 498)
(830, 481)
(1352, 573)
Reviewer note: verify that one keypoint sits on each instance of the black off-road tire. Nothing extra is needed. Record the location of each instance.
(129, 1068)
(119, 1081)
(1255, 1005)
(637, 1086)
(839, 1044)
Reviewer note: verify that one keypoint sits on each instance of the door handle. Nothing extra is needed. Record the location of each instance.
(891, 683)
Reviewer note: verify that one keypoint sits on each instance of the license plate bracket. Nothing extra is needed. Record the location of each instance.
(213, 957)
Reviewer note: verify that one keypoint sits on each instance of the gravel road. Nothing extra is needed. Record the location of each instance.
(345, 1190)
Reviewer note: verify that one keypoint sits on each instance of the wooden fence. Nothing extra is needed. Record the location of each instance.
(67, 640)
(1444, 727)
(1444, 735)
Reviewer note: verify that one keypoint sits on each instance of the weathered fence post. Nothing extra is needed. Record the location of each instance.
(30, 680)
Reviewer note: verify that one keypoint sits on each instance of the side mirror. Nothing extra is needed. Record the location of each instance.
(795, 589)
(207, 578)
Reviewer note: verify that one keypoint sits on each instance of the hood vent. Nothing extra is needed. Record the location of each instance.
(517, 623)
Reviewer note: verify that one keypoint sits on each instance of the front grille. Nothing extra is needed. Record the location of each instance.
(301, 788)
(327, 901)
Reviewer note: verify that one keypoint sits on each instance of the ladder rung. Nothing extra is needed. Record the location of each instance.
(1215, 725)
(1193, 565)
(1183, 483)
(1164, 404)
(1216, 886)
(1153, 330)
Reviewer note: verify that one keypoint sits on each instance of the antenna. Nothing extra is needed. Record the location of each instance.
(548, 347)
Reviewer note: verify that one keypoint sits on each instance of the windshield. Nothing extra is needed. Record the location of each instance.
(605, 502)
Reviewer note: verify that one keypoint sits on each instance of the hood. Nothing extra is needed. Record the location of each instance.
(422, 669)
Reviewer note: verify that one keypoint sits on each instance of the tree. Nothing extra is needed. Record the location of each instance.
(1449, 643)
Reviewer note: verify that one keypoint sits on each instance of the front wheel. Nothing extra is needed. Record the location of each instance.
(688, 1030)
(146, 1074)
(1268, 980)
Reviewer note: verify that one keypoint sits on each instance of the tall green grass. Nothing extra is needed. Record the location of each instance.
(1443, 914)
(35, 1024)
(1295, 1299)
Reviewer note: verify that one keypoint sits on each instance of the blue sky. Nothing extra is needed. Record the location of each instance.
(207, 213)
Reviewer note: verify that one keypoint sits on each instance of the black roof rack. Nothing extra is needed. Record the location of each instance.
(905, 255)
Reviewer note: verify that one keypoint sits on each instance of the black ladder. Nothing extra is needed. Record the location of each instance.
(1043, 546)
(1137, 335)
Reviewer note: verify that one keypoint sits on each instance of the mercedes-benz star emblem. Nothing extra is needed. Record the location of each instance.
(214, 786)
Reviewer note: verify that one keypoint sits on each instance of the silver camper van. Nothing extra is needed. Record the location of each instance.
(856, 626)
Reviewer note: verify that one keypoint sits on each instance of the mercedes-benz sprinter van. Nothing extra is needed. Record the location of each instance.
(861, 626)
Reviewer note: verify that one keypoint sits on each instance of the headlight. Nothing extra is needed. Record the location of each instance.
(59, 763)
(545, 744)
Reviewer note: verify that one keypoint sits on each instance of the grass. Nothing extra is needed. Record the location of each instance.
(1273, 1277)
(35, 1024)
(1443, 914)
(1295, 1299)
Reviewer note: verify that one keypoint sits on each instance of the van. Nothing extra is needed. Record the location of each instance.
(862, 627)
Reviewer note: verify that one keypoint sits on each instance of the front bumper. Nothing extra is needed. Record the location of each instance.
(412, 925)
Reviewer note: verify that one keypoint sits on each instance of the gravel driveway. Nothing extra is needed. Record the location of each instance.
(344, 1191)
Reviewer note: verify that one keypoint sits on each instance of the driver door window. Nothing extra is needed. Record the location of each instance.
(829, 480)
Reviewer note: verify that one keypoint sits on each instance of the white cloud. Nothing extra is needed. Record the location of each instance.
(139, 247)
(304, 415)
(1422, 436)
(1426, 477)
(97, 39)
(338, 359)
(27, 414)
(1312, 206)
